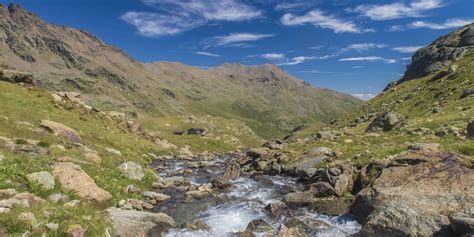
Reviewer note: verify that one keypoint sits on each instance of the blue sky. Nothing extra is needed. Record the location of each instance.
(354, 46)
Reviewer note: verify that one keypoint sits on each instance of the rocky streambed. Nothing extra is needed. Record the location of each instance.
(212, 196)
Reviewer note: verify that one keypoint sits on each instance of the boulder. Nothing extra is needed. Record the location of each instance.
(427, 147)
(462, 222)
(130, 223)
(25, 200)
(27, 217)
(61, 130)
(13, 76)
(322, 189)
(298, 198)
(221, 183)
(159, 197)
(197, 131)
(385, 122)
(276, 208)
(132, 170)
(324, 135)
(415, 195)
(467, 93)
(257, 153)
(44, 178)
(470, 130)
(134, 127)
(73, 178)
(75, 231)
(259, 226)
(330, 206)
(319, 151)
(113, 151)
(232, 172)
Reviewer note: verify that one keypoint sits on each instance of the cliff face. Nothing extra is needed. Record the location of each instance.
(439, 54)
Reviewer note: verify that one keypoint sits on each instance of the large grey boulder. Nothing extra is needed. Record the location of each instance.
(130, 223)
(132, 170)
(415, 195)
(462, 222)
(385, 122)
(44, 178)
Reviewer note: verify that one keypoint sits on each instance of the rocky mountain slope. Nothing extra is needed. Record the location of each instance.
(66, 59)
(410, 151)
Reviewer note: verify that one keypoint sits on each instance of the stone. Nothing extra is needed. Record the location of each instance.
(259, 226)
(298, 198)
(61, 130)
(44, 178)
(57, 198)
(462, 222)
(113, 151)
(134, 126)
(324, 135)
(197, 131)
(232, 172)
(73, 203)
(92, 157)
(6, 193)
(343, 183)
(426, 147)
(470, 130)
(257, 153)
(330, 206)
(276, 208)
(322, 189)
(415, 195)
(159, 197)
(319, 151)
(221, 183)
(165, 144)
(52, 226)
(385, 122)
(27, 217)
(467, 93)
(14, 76)
(73, 178)
(132, 170)
(131, 189)
(75, 231)
(25, 200)
(130, 223)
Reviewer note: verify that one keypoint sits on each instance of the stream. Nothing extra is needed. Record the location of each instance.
(228, 213)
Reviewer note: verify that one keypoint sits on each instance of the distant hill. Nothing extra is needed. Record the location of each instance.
(67, 59)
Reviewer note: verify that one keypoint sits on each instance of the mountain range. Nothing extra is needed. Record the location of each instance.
(66, 59)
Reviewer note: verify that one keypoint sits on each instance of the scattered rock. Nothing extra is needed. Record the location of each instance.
(330, 206)
(298, 198)
(134, 127)
(73, 203)
(322, 189)
(52, 226)
(385, 122)
(92, 157)
(426, 147)
(132, 170)
(6, 193)
(158, 197)
(319, 151)
(27, 217)
(14, 76)
(221, 183)
(75, 231)
(113, 151)
(129, 223)
(73, 178)
(58, 198)
(61, 130)
(197, 131)
(470, 130)
(25, 200)
(259, 226)
(257, 153)
(276, 208)
(324, 135)
(232, 172)
(467, 93)
(44, 178)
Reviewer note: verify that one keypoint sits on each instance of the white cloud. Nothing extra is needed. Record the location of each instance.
(273, 56)
(175, 16)
(357, 67)
(369, 59)
(364, 46)
(320, 19)
(406, 59)
(208, 54)
(363, 96)
(449, 24)
(234, 38)
(296, 60)
(288, 6)
(407, 49)
(397, 10)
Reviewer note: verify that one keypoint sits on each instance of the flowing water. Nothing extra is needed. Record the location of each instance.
(228, 213)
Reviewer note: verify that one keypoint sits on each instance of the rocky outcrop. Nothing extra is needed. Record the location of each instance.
(129, 223)
(73, 178)
(414, 195)
(61, 130)
(385, 122)
(439, 54)
(13, 76)
(462, 222)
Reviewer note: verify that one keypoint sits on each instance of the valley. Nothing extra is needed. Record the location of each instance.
(96, 143)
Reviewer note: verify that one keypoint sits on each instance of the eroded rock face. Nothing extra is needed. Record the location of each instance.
(129, 223)
(73, 178)
(441, 53)
(61, 130)
(414, 195)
